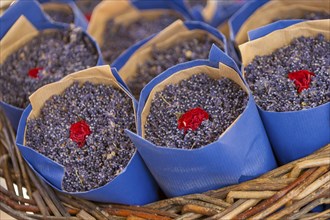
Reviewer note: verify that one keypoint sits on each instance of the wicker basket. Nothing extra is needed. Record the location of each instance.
(289, 192)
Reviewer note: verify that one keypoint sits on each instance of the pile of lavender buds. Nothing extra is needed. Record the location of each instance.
(63, 16)
(57, 52)
(196, 3)
(162, 59)
(222, 99)
(107, 151)
(268, 79)
(316, 16)
(117, 37)
(310, 16)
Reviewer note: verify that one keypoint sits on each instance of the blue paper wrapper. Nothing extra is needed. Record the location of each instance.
(40, 22)
(175, 28)
(238, 19)
(267, 29)
(195, 12)
(224, 10)
(134, 185)
(219, 19)
(241, 153)
(79, 18)
(177, 5)
(295, 134)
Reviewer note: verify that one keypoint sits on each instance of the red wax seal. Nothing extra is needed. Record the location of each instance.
(88, 16)
(192, 119)
(33, 73)
(79, 131)
(301, 79)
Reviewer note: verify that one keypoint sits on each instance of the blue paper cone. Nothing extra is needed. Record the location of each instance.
(295, 134)
(134, 185)
(241, 153)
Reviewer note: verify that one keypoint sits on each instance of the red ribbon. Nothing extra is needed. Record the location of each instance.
(301, 79)
(192, 119)
(34, 72)
(79, 131)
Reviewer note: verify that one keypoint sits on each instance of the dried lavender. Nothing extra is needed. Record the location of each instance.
(64, 16)
(316, 16)
(58, 52)
(222, 99)
(269, 82)
(118, 37)
(87, 6)
(107, 150)
(162, 59)
(196, 3)
(309, 16)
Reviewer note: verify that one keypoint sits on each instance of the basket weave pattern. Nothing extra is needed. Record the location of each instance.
(288, 192)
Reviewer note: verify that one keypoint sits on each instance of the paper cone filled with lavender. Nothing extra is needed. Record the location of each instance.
(288, 73)
(32, 56)
(180, 42)
(257, 13)
(199, 128)
(117, 25)
(73, 136)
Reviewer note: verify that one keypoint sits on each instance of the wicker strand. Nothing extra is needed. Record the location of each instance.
(320, 192)
(308, 208)
(11, 151)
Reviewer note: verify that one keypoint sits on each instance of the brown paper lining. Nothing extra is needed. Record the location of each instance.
(280, 38)
(4, 5)
(214, 73)
(122, 12)
(224, 29)
(176, 32)
(19, 34)
(279, 9)
(209, 10)
(57, 7)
